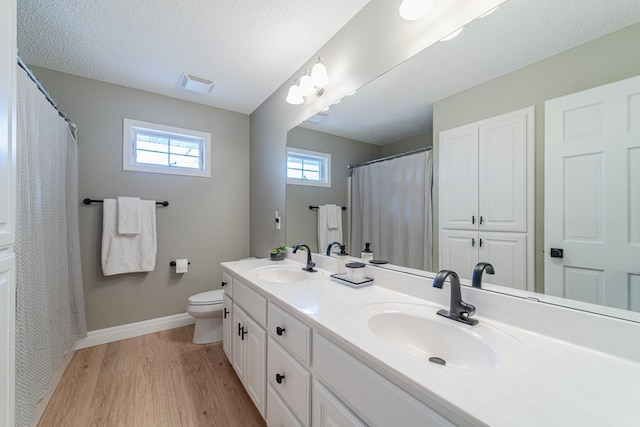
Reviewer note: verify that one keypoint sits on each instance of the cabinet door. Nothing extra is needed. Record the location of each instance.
(227, 326)
(238, 352)
(458, 251)
(502, 171)
(459, 178)
(329, 411)
(507, 252)
(255, 345)
(7, 338)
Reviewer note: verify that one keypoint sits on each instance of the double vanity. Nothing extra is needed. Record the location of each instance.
(312, 351)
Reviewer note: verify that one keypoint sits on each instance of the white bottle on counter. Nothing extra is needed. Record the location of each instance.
(341, 261)
(367, 254)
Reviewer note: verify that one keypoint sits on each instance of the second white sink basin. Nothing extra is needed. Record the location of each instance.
(283, 274)
(416, 330)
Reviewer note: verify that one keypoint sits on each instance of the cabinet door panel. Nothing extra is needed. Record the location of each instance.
(239, 355)
(227, 326)
(328, 411)
(458, 251)
(459, 178)
(502, 170)
(255, 343)
(277, 412)
(507, 253)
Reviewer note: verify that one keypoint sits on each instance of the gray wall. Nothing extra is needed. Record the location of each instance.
(611, 58)
(374, 41)
(301, 225)
(409, 144)
(207, 220)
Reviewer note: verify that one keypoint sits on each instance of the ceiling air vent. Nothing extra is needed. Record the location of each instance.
(196, 84)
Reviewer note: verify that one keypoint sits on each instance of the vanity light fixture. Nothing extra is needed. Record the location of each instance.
(311, 83)
(412, 10)
(456, 33)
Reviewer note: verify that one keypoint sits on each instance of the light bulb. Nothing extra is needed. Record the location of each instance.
(306, 85)
(294, 96)
(412, 10)
(319, 75)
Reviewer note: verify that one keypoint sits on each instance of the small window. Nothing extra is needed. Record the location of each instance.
(155, 148)
(308, 168)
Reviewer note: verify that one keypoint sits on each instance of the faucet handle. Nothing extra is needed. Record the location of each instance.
(469, 310)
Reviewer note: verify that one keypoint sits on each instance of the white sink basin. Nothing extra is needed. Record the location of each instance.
(283, 274)
(416, 330)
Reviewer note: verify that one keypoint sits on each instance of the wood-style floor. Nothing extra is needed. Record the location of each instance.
(155, 380)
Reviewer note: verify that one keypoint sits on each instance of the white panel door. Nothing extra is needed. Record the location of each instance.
(459, 251)
(238, 351)
(502, 169)
(459, 178)
(329, 411)
(592, 195)
(7, 121)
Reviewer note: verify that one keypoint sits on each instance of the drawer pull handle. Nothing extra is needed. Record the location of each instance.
(226, 312)
(224, 284)
(279, 378)
(239, 329)
(244, 332)
(280, 330)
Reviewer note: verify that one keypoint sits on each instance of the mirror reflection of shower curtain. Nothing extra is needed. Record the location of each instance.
(392, 209)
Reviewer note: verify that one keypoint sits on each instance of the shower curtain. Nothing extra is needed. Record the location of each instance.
(50, 315)
(391, 204)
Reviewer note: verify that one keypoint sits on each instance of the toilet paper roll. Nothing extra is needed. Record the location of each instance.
(182, 265)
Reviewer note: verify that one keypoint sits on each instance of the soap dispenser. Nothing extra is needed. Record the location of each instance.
(367, 254)
(341, 261)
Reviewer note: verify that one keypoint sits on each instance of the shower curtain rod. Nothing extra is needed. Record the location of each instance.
(395, 156)
(44, 92)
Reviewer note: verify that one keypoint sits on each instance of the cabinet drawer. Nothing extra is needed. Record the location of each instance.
(292, 334)
(290, 380)
(366, 392)
(278, 415)
(227, 283)
(252, 302)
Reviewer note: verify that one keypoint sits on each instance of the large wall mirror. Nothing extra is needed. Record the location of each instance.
(524, 53)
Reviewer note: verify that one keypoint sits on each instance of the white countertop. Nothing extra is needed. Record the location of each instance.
(560, 383)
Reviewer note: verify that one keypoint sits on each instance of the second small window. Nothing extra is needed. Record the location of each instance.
(306, 167)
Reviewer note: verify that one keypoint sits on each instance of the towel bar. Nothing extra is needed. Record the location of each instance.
(88, 201)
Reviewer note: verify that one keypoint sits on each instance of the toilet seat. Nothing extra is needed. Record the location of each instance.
(207, 298)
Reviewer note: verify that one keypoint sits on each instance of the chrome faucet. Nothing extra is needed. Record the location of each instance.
(310, 264)
(476, 279)
(458, 310)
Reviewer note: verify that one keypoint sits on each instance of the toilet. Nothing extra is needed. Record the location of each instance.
(206, 307)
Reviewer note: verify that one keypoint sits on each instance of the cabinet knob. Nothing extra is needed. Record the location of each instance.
(279, 378)
(224, 284)
(280, 330)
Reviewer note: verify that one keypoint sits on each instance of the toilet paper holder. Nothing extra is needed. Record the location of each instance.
(173, 263)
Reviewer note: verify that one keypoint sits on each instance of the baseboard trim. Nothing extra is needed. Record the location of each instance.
(122, 332)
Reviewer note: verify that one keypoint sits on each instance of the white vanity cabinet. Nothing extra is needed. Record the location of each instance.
(486, 186)
(248, 340)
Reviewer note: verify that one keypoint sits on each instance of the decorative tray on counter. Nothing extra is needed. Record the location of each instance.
(342, 278)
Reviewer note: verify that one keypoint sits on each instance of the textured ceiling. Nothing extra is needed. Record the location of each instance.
(398, 105)
(249, 47)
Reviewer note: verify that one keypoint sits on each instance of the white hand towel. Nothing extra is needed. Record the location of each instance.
(332, 216)
(128, 253)
(128, 215)
(325, 234)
